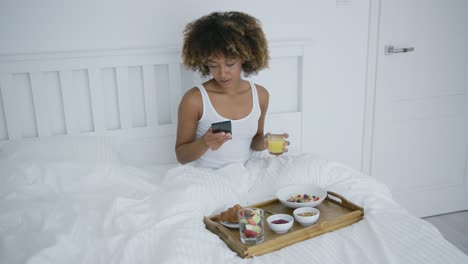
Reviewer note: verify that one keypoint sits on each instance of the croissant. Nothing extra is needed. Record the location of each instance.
(230, 215)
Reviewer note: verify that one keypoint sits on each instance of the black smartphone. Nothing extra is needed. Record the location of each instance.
(224, 126)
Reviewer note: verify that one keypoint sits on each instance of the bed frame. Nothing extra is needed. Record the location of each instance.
(130, 96)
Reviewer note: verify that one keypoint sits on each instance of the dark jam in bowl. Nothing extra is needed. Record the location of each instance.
(280, 221)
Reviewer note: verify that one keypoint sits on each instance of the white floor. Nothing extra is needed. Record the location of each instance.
(454, 227)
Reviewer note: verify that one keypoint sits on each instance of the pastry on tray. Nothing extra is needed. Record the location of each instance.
(230, 215)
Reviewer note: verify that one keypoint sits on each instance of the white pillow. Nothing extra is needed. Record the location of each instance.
(60, 148)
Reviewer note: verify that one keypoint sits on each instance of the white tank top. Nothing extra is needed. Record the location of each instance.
(236, 150)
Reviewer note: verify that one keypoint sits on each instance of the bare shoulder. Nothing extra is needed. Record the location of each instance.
(192, 97)
(262, 93)
(263, 97)
(191, 103)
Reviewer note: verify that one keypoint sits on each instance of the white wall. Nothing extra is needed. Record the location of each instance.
(338, 29)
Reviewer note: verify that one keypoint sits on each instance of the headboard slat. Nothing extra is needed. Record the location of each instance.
(151, 97)
(175, 89)
(11, 104)
(97, 99)
(70, 103)
(308, 95)
(41, 105)
(123, 97)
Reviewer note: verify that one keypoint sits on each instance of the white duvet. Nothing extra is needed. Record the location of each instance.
(107, 212)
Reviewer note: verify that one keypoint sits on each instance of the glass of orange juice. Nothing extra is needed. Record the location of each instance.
(276, 143)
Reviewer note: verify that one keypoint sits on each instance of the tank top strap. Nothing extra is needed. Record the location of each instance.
(205, 99)
(255, 98)
(202, 90)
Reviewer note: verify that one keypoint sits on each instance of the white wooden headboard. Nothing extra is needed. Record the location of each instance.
(131, 96)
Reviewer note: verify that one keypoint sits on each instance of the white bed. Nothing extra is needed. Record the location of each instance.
(87, 170)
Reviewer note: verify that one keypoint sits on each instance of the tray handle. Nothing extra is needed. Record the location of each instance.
(337, 198)
(221, 230)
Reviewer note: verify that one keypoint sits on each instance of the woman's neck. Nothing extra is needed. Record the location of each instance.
(238, 87)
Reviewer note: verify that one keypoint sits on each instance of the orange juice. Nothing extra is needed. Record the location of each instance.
(275, 144)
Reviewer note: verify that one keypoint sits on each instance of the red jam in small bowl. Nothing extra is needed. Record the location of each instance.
(280, 221)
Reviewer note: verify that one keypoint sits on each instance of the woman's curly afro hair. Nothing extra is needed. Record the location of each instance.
(232, 34)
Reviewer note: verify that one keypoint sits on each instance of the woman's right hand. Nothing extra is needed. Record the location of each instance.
(215, 140)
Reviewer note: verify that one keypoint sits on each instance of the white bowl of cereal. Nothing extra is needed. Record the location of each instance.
(301, 195)
(306, 216)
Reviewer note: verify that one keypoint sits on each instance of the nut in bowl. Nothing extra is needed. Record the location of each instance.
(301, 195)
(306, 216)
(280, 223)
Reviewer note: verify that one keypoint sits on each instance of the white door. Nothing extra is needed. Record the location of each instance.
(420, 136)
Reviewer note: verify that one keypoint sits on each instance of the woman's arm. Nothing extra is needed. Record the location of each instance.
(187, 147)
(258, 141)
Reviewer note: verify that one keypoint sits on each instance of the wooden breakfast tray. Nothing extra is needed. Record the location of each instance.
(335, 212)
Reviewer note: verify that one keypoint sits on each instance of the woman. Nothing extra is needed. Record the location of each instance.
(223, 45)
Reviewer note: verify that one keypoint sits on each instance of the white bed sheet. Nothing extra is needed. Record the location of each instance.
(108, 212)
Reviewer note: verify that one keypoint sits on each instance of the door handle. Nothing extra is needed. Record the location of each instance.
(390, 49)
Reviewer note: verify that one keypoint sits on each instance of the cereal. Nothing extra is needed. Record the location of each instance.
(303, 198)
(307, 214)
